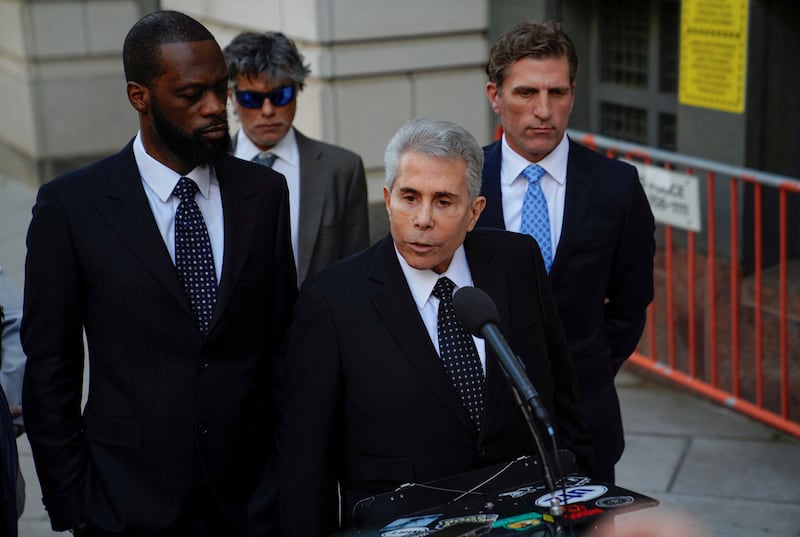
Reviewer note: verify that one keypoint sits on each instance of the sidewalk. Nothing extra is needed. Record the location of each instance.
(735, 476)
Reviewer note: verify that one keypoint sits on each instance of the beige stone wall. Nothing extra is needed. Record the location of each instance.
(61, 83)
(375, 64)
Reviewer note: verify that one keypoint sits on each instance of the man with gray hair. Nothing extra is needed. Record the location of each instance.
(327, 184)
(375, 396)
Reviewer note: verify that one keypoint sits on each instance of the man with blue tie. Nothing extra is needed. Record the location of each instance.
(588, 213)
(174, 258)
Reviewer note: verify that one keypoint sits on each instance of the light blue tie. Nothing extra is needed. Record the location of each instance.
(535, 217)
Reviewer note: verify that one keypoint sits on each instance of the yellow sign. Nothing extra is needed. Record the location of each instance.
(713, 58)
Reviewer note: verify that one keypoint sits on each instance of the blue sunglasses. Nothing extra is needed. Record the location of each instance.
(255, 99)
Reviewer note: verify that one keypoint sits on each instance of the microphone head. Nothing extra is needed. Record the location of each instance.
(475, 309)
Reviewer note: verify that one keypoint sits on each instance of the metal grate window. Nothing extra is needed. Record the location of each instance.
(667, 131)
(669, 34)
(624, 36)
(624, 122)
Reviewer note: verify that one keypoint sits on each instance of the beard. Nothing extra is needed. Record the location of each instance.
(191, 147)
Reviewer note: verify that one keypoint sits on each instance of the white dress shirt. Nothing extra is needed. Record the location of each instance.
(288, 164)
(159, 181)
(422, 282)
(554, 186)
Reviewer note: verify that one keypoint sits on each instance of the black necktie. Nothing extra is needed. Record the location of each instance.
(193, 257)
(458, 353)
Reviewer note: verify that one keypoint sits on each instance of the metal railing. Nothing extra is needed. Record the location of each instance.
(725, 321)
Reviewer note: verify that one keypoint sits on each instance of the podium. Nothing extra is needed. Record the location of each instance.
(505, 499)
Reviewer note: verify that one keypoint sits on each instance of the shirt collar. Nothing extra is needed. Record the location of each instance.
(286, 149)
(162, 179)
(555, 163)
(422, 282)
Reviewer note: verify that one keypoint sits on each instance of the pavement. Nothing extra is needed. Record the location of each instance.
(726, 473)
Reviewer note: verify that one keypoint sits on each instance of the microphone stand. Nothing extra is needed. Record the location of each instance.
(478, 313)
(528, 402)
(556, 509)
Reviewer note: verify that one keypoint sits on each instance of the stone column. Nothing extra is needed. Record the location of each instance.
(62, 84)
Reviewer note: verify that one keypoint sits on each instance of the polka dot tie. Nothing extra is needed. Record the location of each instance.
(193, 257)
(535, 217)
(265, 159)
(458, 353)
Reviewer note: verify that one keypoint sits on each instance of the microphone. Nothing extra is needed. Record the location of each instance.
(478, 313)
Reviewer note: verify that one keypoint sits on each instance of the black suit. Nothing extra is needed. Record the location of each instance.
(602, 279)
(169, 412)
(369, 402)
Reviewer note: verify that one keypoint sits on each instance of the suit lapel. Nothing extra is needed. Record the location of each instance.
(239, 216)
(579, 187)
(395, 306)
(492, 215)
(126, 209)
(313, 190)
(489, 278)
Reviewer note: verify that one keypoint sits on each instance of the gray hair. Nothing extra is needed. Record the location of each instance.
(438, 139)
(251, 55)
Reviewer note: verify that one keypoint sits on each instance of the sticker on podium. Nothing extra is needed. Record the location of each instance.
(523, 522)
(580, 494)
(409, 526)
(613, 502)
(481, 518)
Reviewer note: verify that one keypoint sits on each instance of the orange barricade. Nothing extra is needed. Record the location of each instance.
(725, 321)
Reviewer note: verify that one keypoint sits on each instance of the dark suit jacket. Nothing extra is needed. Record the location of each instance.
(369, 403)
(602, 278)
(166, 408)
(334, 220)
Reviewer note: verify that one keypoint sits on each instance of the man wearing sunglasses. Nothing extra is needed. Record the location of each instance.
(327, 185)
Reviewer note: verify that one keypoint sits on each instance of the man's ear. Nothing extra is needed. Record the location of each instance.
(139, 96)
(477, 207)
(387, 198)
(492, 92)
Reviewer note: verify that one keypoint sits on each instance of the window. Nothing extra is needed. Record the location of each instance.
(624, 122)
(624, 40)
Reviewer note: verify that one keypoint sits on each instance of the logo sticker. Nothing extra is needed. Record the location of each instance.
(409, 526)
(520, 492)
(479, 518)
(522, 522)
(614, 501)
(406, 532)
(576, 512)
(573, 481)
(574, 495)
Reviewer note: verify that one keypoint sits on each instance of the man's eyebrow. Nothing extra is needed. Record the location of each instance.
(445, 194)
(407, 190)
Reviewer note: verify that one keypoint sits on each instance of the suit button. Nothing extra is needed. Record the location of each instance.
(481, 452)
(202, 430)
(203, 364)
